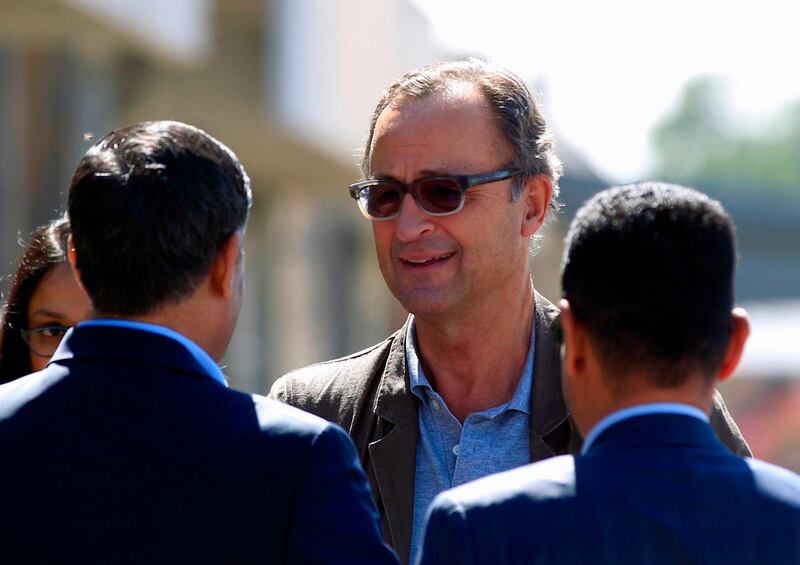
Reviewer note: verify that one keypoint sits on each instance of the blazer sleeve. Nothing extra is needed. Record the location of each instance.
(335, 520)
(446, 538)
(727, 430)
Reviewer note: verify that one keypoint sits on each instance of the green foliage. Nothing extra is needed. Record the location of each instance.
(700, 144)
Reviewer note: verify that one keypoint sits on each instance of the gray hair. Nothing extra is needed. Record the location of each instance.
(512, 103)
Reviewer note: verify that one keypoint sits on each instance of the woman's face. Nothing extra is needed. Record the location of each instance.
(57, 303)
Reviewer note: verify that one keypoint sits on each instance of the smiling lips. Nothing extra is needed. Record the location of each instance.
(426, 261)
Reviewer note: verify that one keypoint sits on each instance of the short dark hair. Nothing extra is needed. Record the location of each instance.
(46, 248)
(512, 103)
(648, 268)
(151, 205)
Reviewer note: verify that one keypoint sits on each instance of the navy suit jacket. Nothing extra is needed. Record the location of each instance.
(651, 489)
(125, 449)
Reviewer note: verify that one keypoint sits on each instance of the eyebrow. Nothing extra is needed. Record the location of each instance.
(432, 173)
(49, 313)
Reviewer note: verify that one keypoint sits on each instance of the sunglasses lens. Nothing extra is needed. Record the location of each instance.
(440, 196)
(381, 200)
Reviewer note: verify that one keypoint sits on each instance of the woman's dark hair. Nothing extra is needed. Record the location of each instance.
(46, 248)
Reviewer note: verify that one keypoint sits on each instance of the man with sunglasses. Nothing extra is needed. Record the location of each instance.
(460, 175)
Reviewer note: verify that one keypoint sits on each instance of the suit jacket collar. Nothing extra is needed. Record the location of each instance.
(130, 346)
(394, 455)
(650, 431)
(552, 432)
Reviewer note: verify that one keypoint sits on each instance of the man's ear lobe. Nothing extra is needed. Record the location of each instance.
(224, 268)
(72, 257)
(739, 334)
(536, 195)
(574, 341)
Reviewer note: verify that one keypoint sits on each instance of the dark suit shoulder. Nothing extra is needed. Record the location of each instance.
(777, 483)
(277, 417)
(334, 389)
(16, 393)
(548, 479)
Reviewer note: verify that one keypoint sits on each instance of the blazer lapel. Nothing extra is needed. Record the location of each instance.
(394, 455)
(552, 432)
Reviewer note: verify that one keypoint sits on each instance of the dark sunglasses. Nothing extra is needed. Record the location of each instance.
(380, 199)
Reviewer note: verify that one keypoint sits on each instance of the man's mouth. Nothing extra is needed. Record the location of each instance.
(425, 261)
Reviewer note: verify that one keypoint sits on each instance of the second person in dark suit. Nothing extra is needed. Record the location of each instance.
(649, 328)
(129, 447)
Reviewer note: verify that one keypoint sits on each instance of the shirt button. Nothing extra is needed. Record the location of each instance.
(456, 449)
(435, 404)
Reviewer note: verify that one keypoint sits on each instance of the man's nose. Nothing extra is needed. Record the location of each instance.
(412, 222)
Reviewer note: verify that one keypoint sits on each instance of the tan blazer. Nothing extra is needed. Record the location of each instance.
(368, 394)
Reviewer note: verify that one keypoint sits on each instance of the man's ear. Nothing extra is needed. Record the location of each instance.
(222, 276)
(574, 342)
(72, 257)
(739, 334)
(536, 196)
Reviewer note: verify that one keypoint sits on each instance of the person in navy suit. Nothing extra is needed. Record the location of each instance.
(649, 328)
(129, 446)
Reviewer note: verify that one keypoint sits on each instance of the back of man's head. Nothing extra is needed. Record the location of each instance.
(648, 270)
(151, 205)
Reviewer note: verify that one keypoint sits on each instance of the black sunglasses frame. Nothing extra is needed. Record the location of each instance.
(465, 182)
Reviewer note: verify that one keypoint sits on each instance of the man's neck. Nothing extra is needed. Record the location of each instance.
(475, 359)
(189, 320)
(696, 391)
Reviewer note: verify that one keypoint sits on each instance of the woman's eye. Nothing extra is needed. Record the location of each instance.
(53, 331)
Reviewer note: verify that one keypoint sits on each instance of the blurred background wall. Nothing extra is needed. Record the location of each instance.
(290, 85)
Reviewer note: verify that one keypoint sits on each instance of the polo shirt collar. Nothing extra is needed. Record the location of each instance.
(421, 386)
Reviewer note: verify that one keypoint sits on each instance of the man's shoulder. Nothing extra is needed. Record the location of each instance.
(328, 387)
(550, 479)
(777, 483)
(357, 362)
(277, 418)
(272, 416)
(17, 393)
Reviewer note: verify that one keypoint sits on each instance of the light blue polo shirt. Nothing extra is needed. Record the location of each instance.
(449, 454)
